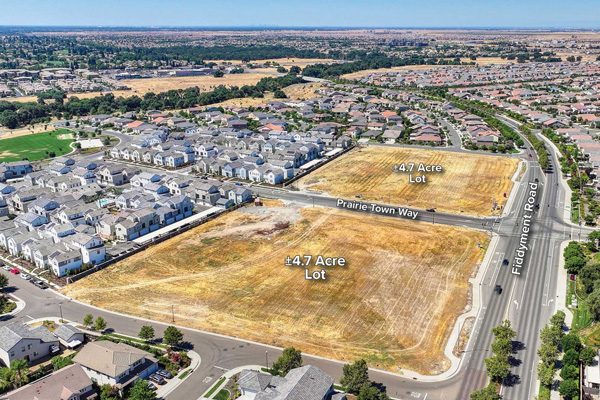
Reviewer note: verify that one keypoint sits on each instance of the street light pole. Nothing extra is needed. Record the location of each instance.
(61, 314)
(267, 358)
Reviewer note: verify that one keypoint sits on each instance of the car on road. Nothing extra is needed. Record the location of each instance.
(498, 289)
(15, 271)
(25, 276)
(6, 267)
(157, 379)
(505, 262)
(164, 373)
(39, 283)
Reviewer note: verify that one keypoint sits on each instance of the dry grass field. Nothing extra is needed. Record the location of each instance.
(394, 303)
(467, 185)
(206, 83)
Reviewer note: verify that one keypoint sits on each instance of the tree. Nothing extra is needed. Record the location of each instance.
(141, 391)
(497, 367)
(146, 332)
(546, 373)
(589, 275)
(99, 324)
(369, 391)
(569, 389)
(593, 301)
(295, 70)
(281, 69)
(502, 347)
(571, 357)
(571, 341)
(107, 392)
(6, 378)
(59, 362)
(218, 74)
(3, 281)
(20, 374)
(172, 336)
(354, 376)
(289, 359)
(88, 320)
(586, 356)
(280, 94)
(574, 264)
(504, 330)
(569, 372)
(487, 393)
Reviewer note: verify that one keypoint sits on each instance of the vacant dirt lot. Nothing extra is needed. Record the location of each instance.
(394, 303)
(468, 184)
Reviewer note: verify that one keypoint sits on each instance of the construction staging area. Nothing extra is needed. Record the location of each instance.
(394, 303)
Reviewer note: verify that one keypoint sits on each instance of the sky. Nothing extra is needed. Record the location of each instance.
(304, 13)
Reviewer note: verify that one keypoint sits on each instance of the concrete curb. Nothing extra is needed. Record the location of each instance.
(523, 165)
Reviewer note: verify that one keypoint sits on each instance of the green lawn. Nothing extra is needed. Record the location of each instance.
(35, 147)
(215, 387)
(222, 395)
(582, 318)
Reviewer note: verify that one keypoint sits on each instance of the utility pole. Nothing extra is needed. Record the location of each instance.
(61, 314)
(267, 358)
(172, 313)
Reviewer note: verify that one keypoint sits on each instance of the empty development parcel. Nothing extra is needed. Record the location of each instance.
(469, 183)
(394, 303)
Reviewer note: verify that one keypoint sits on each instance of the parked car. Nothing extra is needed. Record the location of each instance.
(15, 271)
(25, 276)
(152, 386)
(164, 373)
(6, 267)
(157, 379)
(39, 283)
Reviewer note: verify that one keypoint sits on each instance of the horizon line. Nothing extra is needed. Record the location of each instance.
(312, 27)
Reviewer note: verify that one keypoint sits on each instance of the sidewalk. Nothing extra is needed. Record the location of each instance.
(21, 268)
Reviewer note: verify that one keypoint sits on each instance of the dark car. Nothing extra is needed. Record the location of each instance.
(157, 379)
(39, 283)
(164, 373)
(151, 386)
(505, 262)
(430, 210)
(498, 289)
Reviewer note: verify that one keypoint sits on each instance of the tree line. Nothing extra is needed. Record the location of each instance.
(15, 114)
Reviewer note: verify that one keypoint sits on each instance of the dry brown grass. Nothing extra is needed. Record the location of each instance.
(468, 184)
(206, 83)
(363, 73)
(395, 303)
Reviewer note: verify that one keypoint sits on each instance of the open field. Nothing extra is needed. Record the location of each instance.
(285, 62)
(36, 146)
(363, 73)
(467, 185)
(27, 130)
(299, 91)
(205, 83)
(394, 303)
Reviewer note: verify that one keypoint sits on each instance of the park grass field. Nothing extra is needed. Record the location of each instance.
(394, 303)
(469, 183)
(36, 146)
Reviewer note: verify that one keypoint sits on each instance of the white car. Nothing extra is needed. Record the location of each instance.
(25, 276)
(6, 267)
